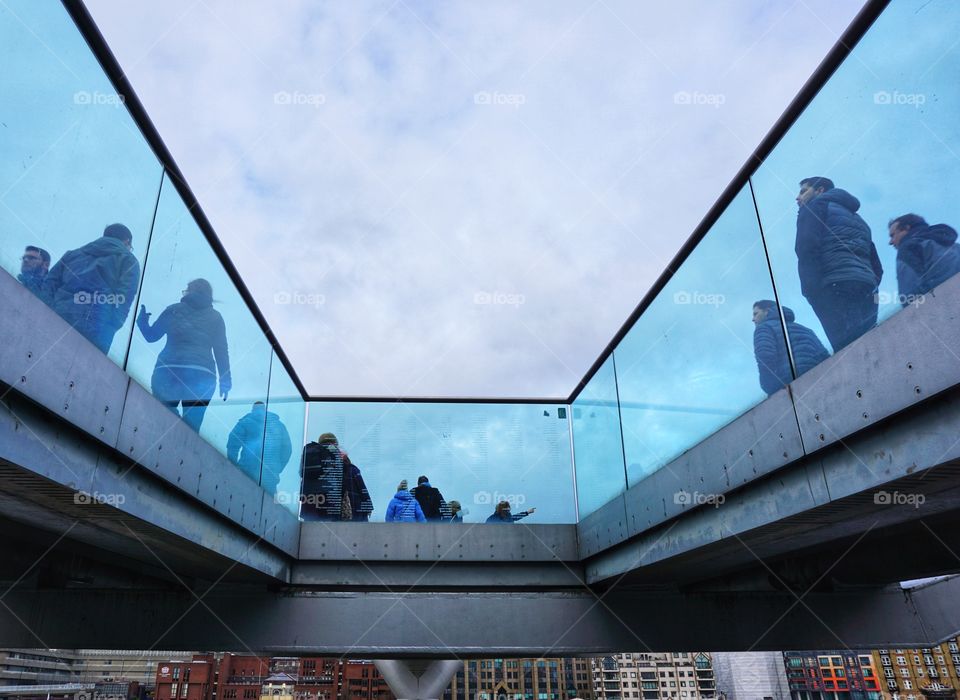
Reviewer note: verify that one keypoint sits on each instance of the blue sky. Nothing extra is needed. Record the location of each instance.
(460, 198)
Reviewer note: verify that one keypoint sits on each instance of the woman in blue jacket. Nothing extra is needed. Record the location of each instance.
(404, 508)
(195, 354)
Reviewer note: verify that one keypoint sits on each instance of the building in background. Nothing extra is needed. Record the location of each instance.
(94, 674)
(248, 677)
(907, 672)
(751, 675)
(240, 677)
(117, 666)
(186, 680)
(654, 676)
(832, 675)
(522, 679)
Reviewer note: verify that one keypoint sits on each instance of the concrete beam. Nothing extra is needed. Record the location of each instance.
(441, 625)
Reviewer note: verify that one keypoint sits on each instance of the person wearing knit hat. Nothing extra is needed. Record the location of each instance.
(403, 507)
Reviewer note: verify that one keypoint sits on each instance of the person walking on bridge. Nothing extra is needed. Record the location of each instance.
(430, 499)
(403, 507)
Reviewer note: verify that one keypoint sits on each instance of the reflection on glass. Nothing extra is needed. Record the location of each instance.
(92, 287)
(260, 445)
(837, 262)
(195, 354)
(281, 475)
(879, 141)
(687, 367)
(773, 361)
(597, 443)
(198, 349)
(927, 255)
(78, 182)
(474, 455)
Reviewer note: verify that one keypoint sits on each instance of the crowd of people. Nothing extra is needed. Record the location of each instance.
(840, 273)
(333, 489)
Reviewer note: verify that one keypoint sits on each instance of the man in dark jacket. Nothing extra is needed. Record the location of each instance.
(333, 487)
(837, 261)
(926, 255)
(430, 499)
(771, 352)
(93, 287)
(260, 432)
(34, 266)
(321, 469)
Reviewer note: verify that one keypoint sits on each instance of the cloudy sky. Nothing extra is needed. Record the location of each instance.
(443, 199)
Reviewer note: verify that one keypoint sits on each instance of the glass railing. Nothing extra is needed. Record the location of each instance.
(849, 219)
(451, 462)
(94, 225)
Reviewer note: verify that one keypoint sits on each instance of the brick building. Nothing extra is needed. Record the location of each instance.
(186, 680)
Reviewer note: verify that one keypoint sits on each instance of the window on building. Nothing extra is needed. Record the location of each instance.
(907, 685)
(173, 689)
(901, 661)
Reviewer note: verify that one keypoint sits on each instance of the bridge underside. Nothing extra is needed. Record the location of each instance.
(801, 555)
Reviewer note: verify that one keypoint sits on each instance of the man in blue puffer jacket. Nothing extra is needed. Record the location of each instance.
(926, 255)
(771, 352)
(837, 262)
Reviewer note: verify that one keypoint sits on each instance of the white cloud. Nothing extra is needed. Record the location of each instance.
(385, 187)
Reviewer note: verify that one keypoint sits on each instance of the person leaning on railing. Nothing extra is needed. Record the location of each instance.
(503, 515)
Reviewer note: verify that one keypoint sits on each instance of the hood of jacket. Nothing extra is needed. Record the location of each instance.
(938, 233)
(403, 496)
(838, 196)
(105, 246)
(788, 314)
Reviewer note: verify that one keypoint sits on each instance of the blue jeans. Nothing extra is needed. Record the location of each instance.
(187, 387)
